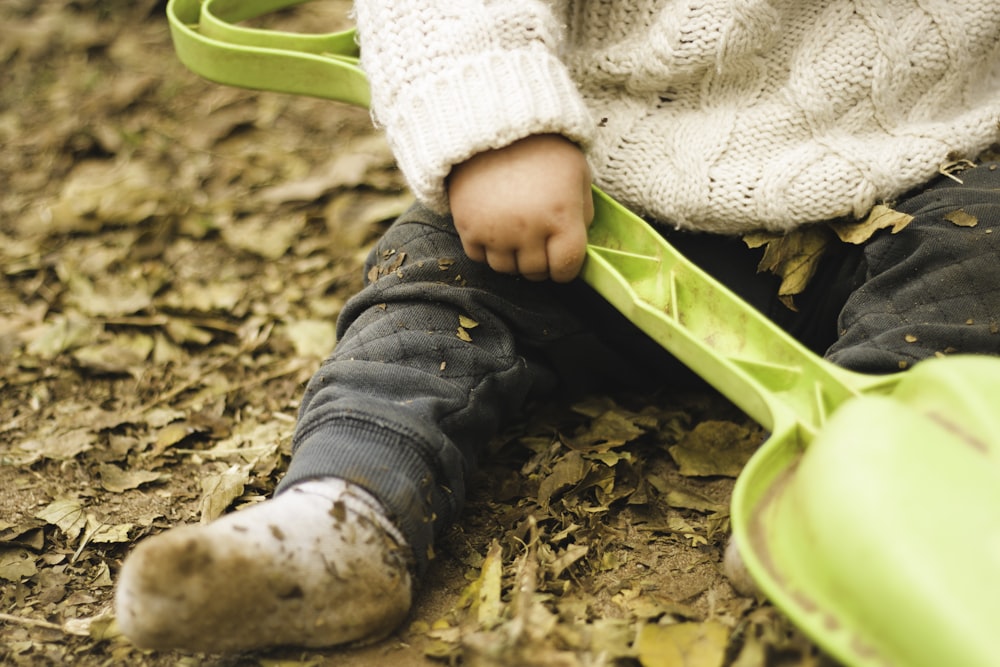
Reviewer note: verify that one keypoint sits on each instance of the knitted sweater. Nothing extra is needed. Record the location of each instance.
(716, 115)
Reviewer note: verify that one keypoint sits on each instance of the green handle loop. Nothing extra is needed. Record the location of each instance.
(209, 43)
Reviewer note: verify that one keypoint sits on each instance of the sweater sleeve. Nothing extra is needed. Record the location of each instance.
(452, 78)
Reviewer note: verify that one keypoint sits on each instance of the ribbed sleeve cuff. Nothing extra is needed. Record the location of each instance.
(487, 101)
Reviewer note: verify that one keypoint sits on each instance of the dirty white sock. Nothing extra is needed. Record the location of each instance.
(736, 571)
(318, 565)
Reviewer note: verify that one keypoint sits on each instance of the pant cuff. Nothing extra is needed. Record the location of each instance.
(392, 466)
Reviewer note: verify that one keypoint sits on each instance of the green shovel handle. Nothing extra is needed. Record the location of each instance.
(756, 364)
(209, 43)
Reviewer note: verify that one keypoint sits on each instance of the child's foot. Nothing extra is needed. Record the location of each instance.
(736, 571)
(318, 565)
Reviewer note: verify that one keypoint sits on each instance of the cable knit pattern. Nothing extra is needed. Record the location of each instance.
(716, 115)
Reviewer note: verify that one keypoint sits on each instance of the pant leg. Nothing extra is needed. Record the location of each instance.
(403, 406)
(732, 263)
(434, 355)
(934, 287)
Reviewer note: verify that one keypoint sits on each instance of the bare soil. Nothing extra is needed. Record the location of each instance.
(173, 254)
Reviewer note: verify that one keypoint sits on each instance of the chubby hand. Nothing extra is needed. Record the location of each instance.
(525, 208)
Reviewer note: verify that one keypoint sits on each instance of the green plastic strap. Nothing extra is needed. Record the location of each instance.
(209, 43)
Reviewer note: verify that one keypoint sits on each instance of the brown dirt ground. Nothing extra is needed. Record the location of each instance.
(173, 254)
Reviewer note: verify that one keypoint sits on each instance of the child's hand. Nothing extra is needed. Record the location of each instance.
(525, 208)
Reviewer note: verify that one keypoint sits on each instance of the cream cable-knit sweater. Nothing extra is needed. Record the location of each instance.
(718, 115)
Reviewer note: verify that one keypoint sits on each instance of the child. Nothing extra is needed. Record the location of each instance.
(721, 116)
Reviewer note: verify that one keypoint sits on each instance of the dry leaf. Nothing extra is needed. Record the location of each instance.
(100, 192)
(793, 257)
(488, 606)
(67, 514)
(99, 628)
(124, 354)
(17, 564)
(222, 296)
(264, 236)
(219, 491)
(692, 500)
(682, 645)
(172, 434)
(311, 338)
(61, 334)
(184, 332)
(961, 218)
(715, 448)
(611, 637)
(348, 168)
(24, 534)
(63, 446)
(112, 295)
(569, 471)
(880, 217)
(950, 169)
(613, 428)
(116, 480)
(570, 555)
(105, 533)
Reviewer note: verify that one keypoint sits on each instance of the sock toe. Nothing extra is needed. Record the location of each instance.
(303, 570)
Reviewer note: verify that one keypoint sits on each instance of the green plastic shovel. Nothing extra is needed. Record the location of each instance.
(871, 516)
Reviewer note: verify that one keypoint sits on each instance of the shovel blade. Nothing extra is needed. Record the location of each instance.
(883, 541)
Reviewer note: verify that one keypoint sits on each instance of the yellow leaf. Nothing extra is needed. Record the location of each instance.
(467, 322)
(484, 594)
(682, 645)
(793, 257)
(489, 607)
(881, 217)
(464, 335)
(961, 218)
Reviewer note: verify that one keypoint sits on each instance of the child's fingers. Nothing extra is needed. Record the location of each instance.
(475, 251)
(566, 252)
(567, 249)
(533, 262)
(501, 261)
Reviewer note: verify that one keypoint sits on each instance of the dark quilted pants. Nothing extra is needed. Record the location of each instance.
(933, 288)
(437, 353)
